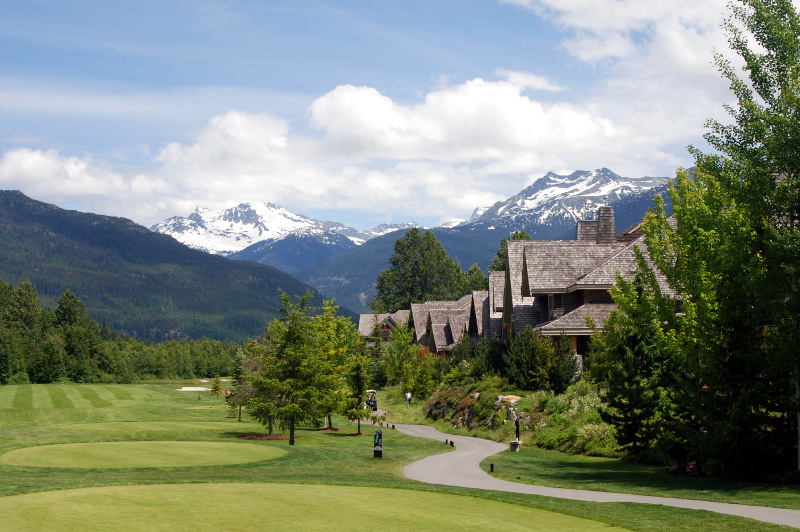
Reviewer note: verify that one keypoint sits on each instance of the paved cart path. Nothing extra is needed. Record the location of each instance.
(461, 468)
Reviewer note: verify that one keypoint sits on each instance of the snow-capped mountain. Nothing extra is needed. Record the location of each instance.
(557, 200)
(228, 231)
(270, 234)
(385, 229)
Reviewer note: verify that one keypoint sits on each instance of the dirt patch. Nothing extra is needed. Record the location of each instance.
(330, 429)
(261, 437)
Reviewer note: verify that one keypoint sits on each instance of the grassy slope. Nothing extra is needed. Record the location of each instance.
(32, 415)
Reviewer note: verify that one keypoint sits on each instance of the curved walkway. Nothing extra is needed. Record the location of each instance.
(461, 468)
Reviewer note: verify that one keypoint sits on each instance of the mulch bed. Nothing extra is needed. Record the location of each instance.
(264, 437)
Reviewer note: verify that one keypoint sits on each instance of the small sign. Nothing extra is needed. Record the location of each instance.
(378, 446)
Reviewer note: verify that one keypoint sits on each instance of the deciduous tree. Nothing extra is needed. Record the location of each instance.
(733, 257)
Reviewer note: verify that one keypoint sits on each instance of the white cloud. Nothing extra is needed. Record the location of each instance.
(48, 173)
(457, 147)
(529, 81)
(460, 147)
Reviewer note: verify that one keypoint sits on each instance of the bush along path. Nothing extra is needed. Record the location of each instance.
(462, 468)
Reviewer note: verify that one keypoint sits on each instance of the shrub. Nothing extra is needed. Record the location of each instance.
(571, 422)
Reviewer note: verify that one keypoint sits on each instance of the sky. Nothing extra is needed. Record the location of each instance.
(358, 112)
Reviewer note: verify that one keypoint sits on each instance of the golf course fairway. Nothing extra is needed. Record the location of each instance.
(104, 455)
(240, 506)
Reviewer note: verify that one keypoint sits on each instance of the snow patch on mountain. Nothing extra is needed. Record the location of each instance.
(228, 231)
(555, 199)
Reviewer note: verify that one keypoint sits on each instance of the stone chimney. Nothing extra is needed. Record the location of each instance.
(606, 228)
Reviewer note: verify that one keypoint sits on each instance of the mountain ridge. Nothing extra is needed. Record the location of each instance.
(141, 282)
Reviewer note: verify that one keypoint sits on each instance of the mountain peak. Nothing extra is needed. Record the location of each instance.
(563, 199)
(227, 231)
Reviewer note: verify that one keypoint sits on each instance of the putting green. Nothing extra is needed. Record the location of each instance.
(140, 454)
(160, 426)
(274, 507)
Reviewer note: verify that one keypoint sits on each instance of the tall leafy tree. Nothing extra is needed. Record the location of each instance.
(400, 353)
(339, 342)
(419, 270)
(733, 257)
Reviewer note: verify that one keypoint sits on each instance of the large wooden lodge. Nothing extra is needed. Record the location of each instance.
(551, 285)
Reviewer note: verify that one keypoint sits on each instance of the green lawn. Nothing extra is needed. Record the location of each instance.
(564, 470)
(338, 465)
(274, 506)
(136, 454)
(552, 468)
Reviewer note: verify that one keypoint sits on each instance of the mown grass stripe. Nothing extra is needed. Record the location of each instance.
(7, 396)
(59, 397)
(90, 394)
(23, 397)
(41, 396)
(104, 394)
(73, 393)
(119, 392)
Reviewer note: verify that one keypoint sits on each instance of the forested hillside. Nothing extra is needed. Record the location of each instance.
(143, 283)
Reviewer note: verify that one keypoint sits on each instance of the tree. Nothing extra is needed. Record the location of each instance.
(565, 365)
(733, 256)
(399, 353)
(357, 378)
(419, 270)
(501, 257)
(216, 386)
(476, 279)
(528, 360)
(634, 359)
(339, 342)
(296, 375)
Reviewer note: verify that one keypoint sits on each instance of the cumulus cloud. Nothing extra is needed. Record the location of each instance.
(459, 146)
(49, 173)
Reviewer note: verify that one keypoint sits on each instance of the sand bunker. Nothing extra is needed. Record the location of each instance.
(194, 389)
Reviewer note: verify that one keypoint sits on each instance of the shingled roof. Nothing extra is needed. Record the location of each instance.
(549, 267)
(367, 322)
(446, 327)
(420, 312)
(574, 323)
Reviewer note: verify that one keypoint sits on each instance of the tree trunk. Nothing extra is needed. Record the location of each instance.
(359, 424)
(270, 426)
(797, 393)
(330, 421)
(291, 433)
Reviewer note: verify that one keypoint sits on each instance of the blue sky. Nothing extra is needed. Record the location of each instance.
(359, 112)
